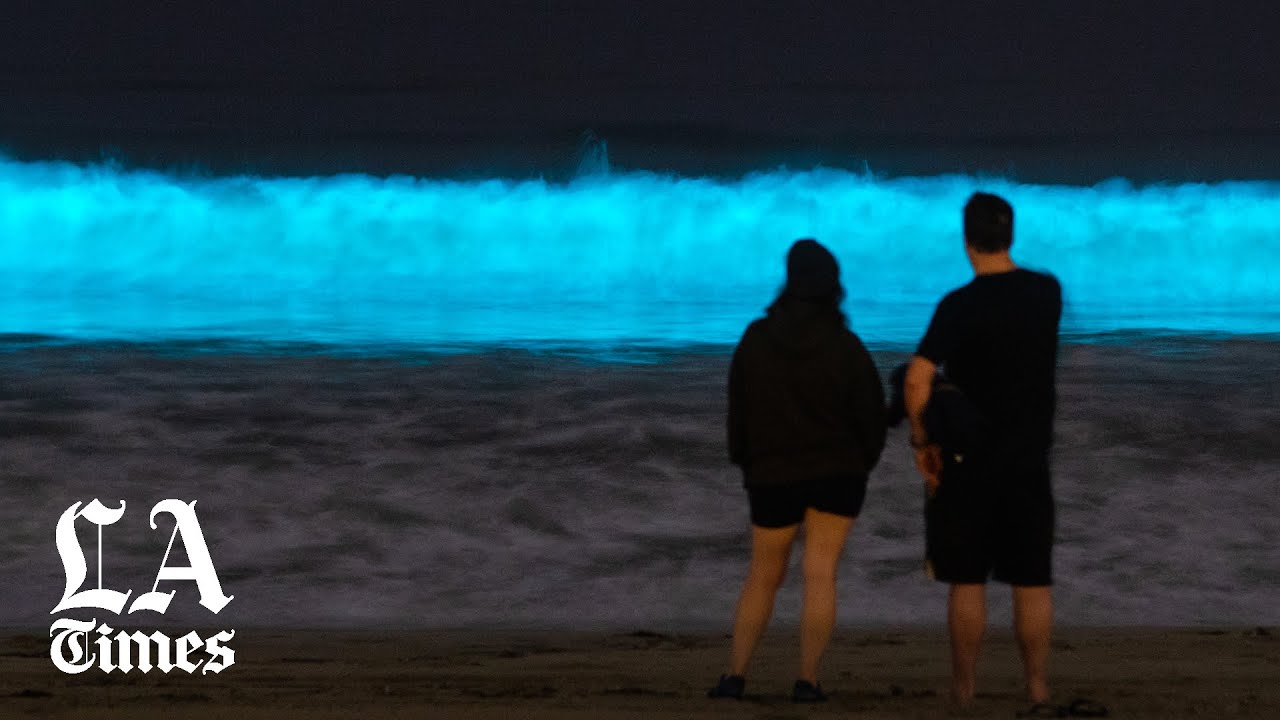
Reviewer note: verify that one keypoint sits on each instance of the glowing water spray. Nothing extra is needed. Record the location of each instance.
(97, 252)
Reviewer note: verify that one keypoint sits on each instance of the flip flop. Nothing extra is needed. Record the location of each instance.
(1084, 707)
(1043, 710)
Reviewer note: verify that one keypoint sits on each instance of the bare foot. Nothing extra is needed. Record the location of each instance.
(960, 706)
(960, 702)
(1038, 692)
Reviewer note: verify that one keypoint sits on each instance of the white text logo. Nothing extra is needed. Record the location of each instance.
(72, 651)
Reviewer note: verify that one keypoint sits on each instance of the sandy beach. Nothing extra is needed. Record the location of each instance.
(1137, 673)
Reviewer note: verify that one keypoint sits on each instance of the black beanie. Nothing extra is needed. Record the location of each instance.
(812, 271)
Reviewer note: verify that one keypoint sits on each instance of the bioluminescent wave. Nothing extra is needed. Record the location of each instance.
(97, 252)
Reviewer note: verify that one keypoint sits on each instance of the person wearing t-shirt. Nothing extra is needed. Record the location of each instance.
(990, 510)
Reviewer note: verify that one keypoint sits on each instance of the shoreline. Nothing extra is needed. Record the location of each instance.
(902, 673)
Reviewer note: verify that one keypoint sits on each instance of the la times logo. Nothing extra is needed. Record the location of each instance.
(80, 645)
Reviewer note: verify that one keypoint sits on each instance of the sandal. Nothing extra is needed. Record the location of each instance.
(1043, 710)
(1084, 707)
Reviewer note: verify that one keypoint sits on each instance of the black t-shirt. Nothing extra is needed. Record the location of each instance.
(996, 339)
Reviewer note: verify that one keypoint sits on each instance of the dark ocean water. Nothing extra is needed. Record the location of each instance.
(590, 488)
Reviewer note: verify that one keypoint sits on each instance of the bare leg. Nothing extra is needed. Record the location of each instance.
(824, 536)
(967, 618)
(770, 552)
(1033, 624)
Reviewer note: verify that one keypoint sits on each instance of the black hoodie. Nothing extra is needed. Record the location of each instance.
(805, 399)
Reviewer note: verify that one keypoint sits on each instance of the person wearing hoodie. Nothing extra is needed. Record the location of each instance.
(806, 424)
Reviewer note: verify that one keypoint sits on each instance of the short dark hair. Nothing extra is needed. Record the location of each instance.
(988, 223)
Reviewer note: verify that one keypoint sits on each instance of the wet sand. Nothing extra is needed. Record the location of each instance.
(1137, 673)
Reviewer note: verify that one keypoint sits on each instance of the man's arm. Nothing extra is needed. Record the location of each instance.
(917, 389)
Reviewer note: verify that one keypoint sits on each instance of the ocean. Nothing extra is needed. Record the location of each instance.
(412, 402)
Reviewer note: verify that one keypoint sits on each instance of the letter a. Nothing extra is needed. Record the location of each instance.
(201, 569)
(73, 559)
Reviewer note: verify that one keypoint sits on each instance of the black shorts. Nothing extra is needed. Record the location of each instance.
(783, 506)
(991, 524)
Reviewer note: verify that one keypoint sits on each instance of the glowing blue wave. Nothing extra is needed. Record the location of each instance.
(99, 252)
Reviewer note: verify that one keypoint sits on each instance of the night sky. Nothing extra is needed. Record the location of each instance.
(1078, 89)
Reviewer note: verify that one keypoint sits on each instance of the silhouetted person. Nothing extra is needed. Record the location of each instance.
(991, 511)
(806, 425)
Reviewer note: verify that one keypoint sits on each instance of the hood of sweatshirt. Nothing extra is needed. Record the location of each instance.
(801, 327)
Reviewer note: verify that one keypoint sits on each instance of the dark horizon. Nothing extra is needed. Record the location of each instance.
(1067, 93)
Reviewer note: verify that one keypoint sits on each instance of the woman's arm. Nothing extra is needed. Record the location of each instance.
(869, 407)
(737, 421)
